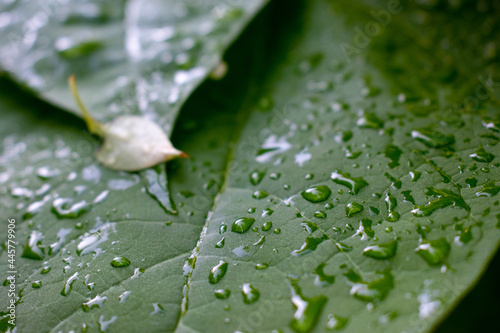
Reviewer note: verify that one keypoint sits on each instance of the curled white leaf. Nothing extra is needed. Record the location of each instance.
(130, 143)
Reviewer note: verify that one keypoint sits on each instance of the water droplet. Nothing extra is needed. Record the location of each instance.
(336, 322)
(36, 284)
(396, 183)
(267, 225)
(370, 120)
(261, 241)
(394, 154)
(354, 184)
(62, 209)
(309, 176)
(242, 224)
(45, 269)
(120, 262)
(365, 229)
(480, 155)
(217, 272)
(381, 251)
(123, 297)
(353, 208)
(320, 214)
(322, 278)
(407, 197)
(489, 190)
(222, 229)
(259, 195)
(68, 286)
(256, 177)
(96, 302)
(432, 138)
(267, 212)
(277, 230)
(222, 293)
(471, 181)
(391, 203)
(375, 290)
(342, 247)
(260, 266)
(434, 252)
(33, 249)
(310, 245)
(445, 199)
(317, 194)
(415, 175)
(138, 272)
(220, 244)
(250, 294)
(308, 309)
(104, 324)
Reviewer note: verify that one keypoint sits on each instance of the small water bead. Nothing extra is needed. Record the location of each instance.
(489, 190)
(217, 272)
(308, 309)
(267, 212)
(260, 266)
(381, 251)
(277, 231)
(396, 183)
(267, 225)
(480, 155)
(432, 138)
(138, 272)
(336, 322)
(320, 214)
(391, 203)
(322, 278)
(342, 247)
(250, 294)
(373, 211)
(328, 206)
(316, 194)
(445, 199)
(45, 269)
(259, 195)
(370, 120)
(373, 291)
(33, 248)
(242, 224)
(309, 176)
(354, 184)
(434, 252)
(222, 293)
(36, 284)
(68, 285)
(353, 208)
(120, 262)
(394, 154)
(62, 209)
(261, 240)
(309, 245)
(251, 210)
(349, 154)
(275, 176)
(220, 244)
(309, 226)
(365, 229)
(407, 197)
(471, 181)
(256, 177)
(415, 175)
(96, 302)
(222, 229)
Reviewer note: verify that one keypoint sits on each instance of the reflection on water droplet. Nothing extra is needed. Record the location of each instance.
(310, 245)
(242, 224)
(434, 252)
(33, 249)
(316, 194)
(120, 262)
(353, 208)
(308, 309)
(68, 286)
(381, 251)
(259, 195)
(267, 225)
(217, 272)
(354, 184)
(375, 290)
(250, 294)
(62, 209)
(322, 278)
(432, 138)
(261, 266)
(489, 190)
(222, 293)
(36, 284)
(45, 269)
(256, 177)
(391, 203)
(96, 302)
(480, 155)
(220, 244)
(336, 322)
(445, 199)
(393, 153)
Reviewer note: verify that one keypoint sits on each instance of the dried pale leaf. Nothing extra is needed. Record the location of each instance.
(131, 143)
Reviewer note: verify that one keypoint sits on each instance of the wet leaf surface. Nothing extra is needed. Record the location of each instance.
(325, 190)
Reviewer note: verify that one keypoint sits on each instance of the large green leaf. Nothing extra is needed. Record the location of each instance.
(129, 57)
(354, 188)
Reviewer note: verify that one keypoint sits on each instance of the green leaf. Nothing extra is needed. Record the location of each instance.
(147, 57)
(308, 204)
